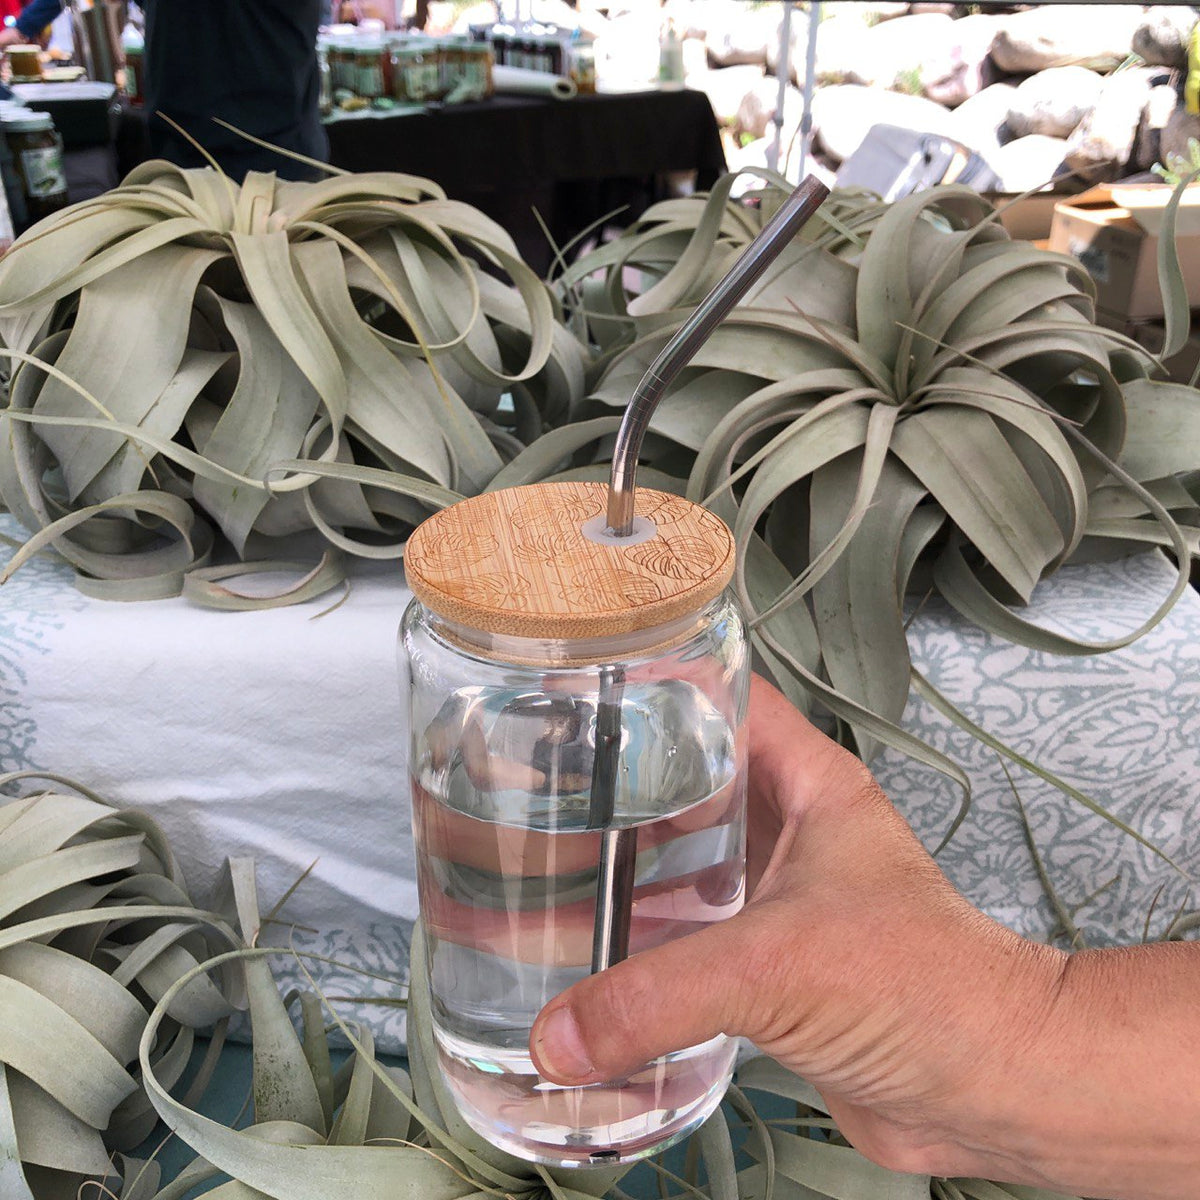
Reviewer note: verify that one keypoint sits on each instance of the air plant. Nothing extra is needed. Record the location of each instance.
(193, 361)
(908, 403)
(95, 929)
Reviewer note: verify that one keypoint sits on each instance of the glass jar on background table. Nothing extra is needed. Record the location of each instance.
(397, 52)
(578, 759)
(550, 50)
(25, 64)
(416, 73)
(325, 78)
(480, 61)
(581, 63)
(14, 185)
(501, 39)
(343, 64)
(466, 70)
(133, 47)
(37, 152)
(450, 63)
(369, 72)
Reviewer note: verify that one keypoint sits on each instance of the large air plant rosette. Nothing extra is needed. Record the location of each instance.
(96, 928)
(908, 403)
(189, 357)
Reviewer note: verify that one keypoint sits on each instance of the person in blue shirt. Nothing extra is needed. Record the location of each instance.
(252, 65)
(33, 19)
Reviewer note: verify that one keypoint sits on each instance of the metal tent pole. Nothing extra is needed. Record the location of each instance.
(810, 80)
(782, 70)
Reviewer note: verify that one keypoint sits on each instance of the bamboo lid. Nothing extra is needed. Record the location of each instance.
(534, 562)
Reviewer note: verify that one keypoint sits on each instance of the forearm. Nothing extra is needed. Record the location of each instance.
(1105, 1100)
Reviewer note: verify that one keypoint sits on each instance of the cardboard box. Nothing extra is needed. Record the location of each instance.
(1120, 252)
(1028, 218)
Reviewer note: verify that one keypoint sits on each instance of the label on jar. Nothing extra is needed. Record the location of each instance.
(131, 86)
(421, 80)
(370, 78)
(43, 171)
(475, 78)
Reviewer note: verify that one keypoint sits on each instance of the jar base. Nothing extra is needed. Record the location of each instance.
(501, 1096)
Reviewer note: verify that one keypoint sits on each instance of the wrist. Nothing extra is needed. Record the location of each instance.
(1007, 1025)
(1096, 1094)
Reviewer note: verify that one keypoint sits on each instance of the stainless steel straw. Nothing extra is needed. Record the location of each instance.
(618, 847)
(679, 351)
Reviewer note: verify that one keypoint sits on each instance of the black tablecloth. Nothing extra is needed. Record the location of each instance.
(572, 160)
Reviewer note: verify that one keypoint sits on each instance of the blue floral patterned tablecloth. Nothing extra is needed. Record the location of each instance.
(279, 735)
(1122, 727)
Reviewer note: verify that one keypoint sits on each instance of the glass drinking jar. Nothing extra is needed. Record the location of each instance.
(576, 706)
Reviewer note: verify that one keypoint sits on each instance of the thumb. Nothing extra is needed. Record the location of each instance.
(674, 996)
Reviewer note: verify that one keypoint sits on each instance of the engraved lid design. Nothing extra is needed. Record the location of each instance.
(517, 562)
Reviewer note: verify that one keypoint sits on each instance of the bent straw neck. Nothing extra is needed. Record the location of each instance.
(694, 332)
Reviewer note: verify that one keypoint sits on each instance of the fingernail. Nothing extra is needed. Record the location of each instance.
(560, 1047)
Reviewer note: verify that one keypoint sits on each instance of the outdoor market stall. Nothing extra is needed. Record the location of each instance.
(933, 483)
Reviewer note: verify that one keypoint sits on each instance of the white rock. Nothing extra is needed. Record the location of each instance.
(1161, 37)
(756, 113)
(872, 14)
(908, 50)
(1054, 101)
(964, 66)
(740, 34)
(1028, 162)
(484, 13)
(544, 12)
(1102, 145)
(1147, 146)
(980, 122)
(845, 52)
(1060, 35)
(693, 18)
(726, 88)
(842, 116)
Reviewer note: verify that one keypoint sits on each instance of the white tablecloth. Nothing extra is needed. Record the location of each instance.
(277, 735)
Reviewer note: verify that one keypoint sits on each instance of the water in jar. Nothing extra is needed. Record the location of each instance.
(507, 877)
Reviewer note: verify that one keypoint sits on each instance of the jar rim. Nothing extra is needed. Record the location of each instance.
(568, 654)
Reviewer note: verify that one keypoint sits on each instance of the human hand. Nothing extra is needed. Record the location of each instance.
(855, 964)
(10, 35)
